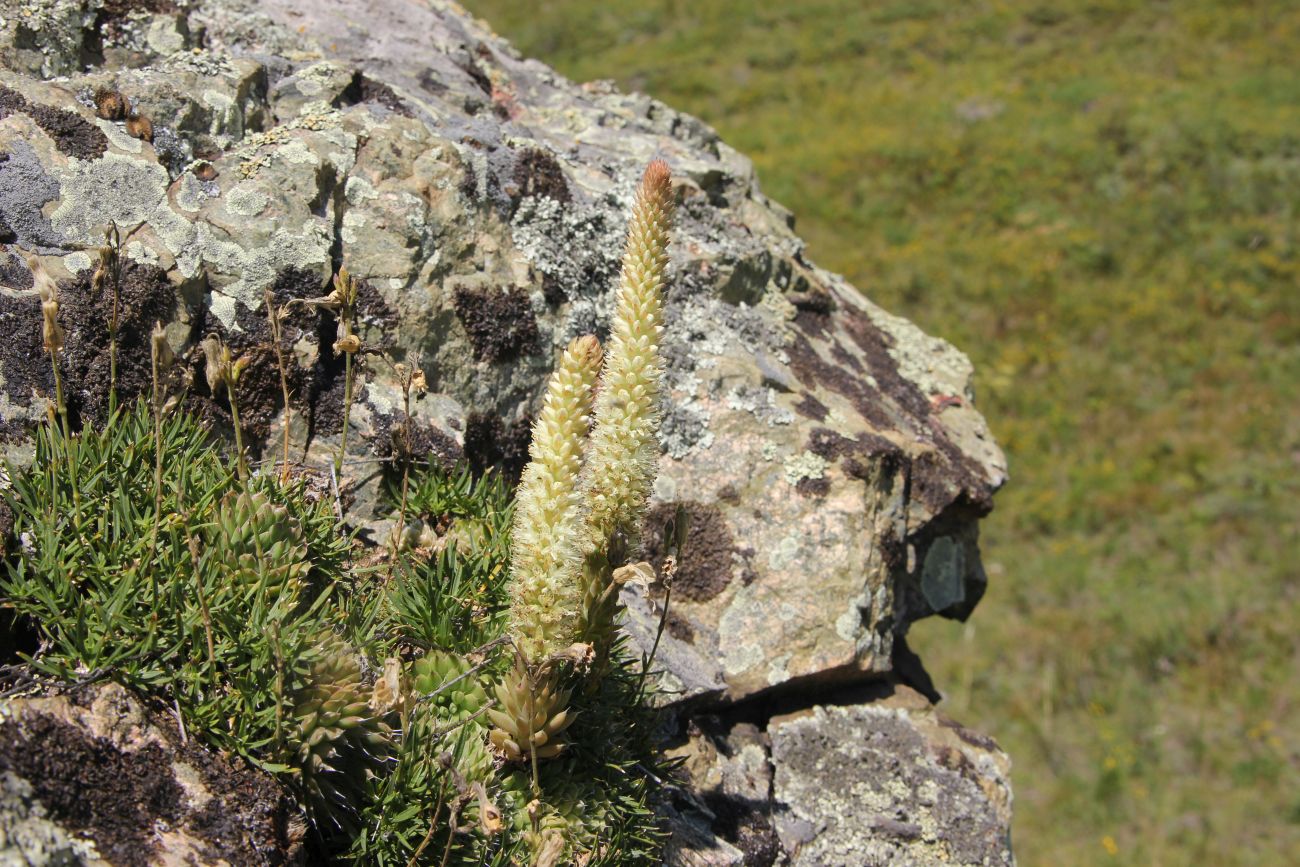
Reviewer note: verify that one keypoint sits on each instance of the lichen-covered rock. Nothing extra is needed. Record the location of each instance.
(888, 783)
(828, 453)
(92, 778)
(879, 780)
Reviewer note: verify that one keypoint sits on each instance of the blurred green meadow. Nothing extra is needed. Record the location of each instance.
(1100, 203)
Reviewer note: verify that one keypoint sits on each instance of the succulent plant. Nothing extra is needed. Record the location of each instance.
(531, 713)
(442, 680)
(260, 541)
(338, 741)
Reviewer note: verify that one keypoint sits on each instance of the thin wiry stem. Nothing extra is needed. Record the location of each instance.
(347, 411)
(157, 475)
(239, 434)
(114, 239)
(276, 338)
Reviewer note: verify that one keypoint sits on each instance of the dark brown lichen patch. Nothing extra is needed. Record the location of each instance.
(537, 173)
(812, 311)
(373, 309)
(553, 291)
(679, 627)
(492, 443)
(894, 403)
(144, 296)
(14, 272)
(704, 570)
(258, 831)
(500, 323)
(843, 356)
(832, 445)
(810, 407)
(113, 13)
(812, 370)
(746, 824)
(315, 392)
(72, 133)
(813, 487)
(23, 361)
(875, 345)
(90, 786)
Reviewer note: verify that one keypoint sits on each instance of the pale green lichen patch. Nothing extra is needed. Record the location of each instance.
(804, 466)
(76, 262)
(118, 138)
(113, 187)
(245, 200)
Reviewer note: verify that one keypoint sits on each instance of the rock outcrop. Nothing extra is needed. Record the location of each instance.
(828, 453)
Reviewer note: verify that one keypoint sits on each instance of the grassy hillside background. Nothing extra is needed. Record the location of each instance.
(1098, 202)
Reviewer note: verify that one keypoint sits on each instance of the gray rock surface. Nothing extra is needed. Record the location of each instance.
(882, 781)
(829, 454)
(889, 783)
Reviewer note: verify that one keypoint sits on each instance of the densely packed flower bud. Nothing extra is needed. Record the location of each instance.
(624, 452)
(548, 519)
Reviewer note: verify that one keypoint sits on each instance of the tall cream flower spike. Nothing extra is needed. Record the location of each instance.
(548, 528)
(578, 509)
(624, 452)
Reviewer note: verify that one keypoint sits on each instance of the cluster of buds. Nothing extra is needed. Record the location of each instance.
(411, 379)
(221, 368)
(223, 371)
(164, 361)
(110, 261)
(343, 302)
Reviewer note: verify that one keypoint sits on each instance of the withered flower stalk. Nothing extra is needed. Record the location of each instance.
(344, 301)
(274, 314)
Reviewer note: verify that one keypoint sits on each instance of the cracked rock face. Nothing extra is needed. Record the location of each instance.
(884, 782)
(889, 783)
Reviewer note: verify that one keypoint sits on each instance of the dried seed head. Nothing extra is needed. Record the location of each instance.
(390, 690)
(551, 850)
(489, 814)
(419, 385)
(217, 359)
(111, 105)
(45, 285)
(139, 126)
(162, 350)
(349, 343)
(51, 332)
